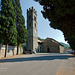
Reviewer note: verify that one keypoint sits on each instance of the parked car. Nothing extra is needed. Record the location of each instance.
(27, 52)
(74, 52)
(34, 52)
(71, 51)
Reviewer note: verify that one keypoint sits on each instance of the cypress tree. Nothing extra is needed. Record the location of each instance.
(20, 24)
(7, 26)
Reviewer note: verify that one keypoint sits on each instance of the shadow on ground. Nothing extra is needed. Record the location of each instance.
(40, 58)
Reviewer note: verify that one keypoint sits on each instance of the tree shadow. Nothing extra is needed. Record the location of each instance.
(40, 58)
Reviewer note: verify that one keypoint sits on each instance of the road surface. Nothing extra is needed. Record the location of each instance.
(39, 64)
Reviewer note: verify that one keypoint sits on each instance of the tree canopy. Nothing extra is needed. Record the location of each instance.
(12, 23)
(20, 24)
(7, 22)
(61, 14)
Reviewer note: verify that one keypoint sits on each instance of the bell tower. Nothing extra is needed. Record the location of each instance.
(32, 39)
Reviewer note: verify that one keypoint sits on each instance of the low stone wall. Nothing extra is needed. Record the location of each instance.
(12, 50)
(2, 52)
(66, 50)
(61, 49)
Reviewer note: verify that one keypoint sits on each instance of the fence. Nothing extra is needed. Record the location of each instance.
(12, 50)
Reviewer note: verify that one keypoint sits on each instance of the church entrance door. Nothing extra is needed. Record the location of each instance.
(48, 50)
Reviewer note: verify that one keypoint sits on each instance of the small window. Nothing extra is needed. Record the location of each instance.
(34, 18)
(29, 17)
(30, 24)
(35, 25)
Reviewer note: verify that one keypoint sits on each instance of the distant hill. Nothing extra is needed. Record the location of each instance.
(65, 45)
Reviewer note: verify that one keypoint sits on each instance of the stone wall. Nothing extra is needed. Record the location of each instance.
(2, 52)
(12, 50)
(66, 50)
(52, 46)
(61, 49)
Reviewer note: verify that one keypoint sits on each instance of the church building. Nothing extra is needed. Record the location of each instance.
(32, 39)
(48, 45)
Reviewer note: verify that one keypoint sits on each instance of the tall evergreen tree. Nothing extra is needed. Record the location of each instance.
(20, 24)
(61, 14)
(7, 23)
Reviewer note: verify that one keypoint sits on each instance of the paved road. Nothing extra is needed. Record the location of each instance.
(39, 64)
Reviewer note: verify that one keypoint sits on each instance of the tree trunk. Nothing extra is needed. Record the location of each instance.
(6, 49)
(17, 49)
(69, 34)
(71, 41)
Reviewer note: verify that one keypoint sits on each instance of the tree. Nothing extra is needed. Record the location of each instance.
(40, 39)
(7, 23)
(20, 24)
(61, 14)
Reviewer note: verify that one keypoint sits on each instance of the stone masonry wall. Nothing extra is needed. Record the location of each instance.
(52, 46)
(12, 50)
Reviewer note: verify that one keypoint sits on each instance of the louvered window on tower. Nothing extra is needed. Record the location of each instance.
(34, 18)
(30, 24)
(35, 25)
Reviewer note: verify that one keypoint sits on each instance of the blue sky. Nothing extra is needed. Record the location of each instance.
(44, 30)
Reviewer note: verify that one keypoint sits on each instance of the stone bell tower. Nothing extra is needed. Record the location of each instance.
(32, 39)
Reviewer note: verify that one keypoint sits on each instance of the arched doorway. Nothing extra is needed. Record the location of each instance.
(40, 49)
(48, 50)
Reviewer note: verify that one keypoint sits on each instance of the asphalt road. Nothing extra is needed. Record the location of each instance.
(39, 64)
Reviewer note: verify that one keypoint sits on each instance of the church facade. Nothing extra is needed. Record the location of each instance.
(48, 45)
